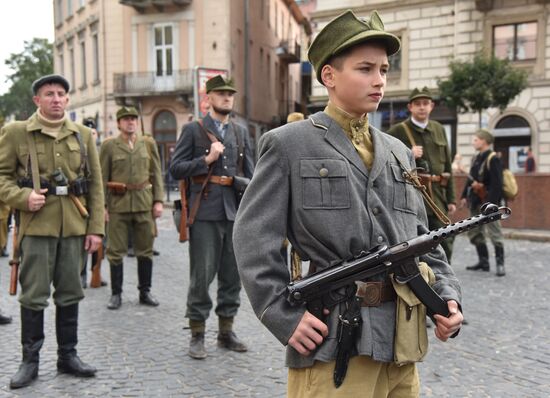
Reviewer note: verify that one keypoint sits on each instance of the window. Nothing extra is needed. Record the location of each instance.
(95, 53)
(71, 64)
(81, 3)
(69, 8)
(82, 45)
(164, 50)
(58, 12)
(395, 62)
(515, 42)
(60, 60)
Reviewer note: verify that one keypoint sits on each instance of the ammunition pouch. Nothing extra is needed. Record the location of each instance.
(411, 336)
(79, 186)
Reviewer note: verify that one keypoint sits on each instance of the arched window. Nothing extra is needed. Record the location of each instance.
(165, 127)
(512, 140)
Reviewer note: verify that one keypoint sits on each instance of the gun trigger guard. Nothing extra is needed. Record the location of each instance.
(403, 279)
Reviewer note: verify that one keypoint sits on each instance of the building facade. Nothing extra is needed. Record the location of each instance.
(146, 53)
(434, 32)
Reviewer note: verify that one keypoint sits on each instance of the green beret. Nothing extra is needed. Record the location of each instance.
(345, 31)
(126, 111)
(49, 79)
(486, 135)
(218, 83)
(416, 93)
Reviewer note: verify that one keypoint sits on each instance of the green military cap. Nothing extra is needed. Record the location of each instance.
(49, 79)
(486, 135)
(345, 31)
(416, 93)
(218, 83)
(126, 111)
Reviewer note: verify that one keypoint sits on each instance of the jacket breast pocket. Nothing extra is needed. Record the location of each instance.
(402, 191)
(441, 147)
(74, 154)
(324, 184)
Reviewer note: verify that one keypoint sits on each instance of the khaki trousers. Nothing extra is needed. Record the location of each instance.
(365, 378)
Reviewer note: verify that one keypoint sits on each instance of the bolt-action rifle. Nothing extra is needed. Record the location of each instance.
(14, 262)
(336, 284)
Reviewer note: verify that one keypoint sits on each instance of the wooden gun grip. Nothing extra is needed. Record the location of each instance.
(81, 209)
(14, 275)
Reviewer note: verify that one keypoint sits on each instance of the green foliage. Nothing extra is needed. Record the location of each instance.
(36, 60)
(485, 82)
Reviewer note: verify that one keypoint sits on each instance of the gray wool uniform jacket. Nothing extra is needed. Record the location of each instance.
(188, 161)
(328, 217)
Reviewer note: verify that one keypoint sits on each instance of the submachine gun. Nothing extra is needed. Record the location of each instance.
(336, 284)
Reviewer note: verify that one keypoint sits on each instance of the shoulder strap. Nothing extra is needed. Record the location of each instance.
(210, 135)
(412, 177)
(34, 162)
(84, 167)
(409, 133)
(240, 160)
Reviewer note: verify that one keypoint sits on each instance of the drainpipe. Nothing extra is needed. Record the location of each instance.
(246, 64)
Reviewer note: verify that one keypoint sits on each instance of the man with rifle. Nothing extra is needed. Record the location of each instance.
(338, 188)
(50, 173)
(212, 154)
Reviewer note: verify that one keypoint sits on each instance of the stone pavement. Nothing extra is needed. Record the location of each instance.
(141, 351)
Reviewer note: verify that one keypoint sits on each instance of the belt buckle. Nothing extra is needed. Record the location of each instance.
(371, 293)
(62, 190)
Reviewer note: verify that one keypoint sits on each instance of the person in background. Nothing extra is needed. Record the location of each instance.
(211, 152)
(485, 185)
(428, 142)
(134, 195)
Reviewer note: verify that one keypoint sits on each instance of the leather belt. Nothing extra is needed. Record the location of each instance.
(220, 180)
(432, 178)
(375, 293)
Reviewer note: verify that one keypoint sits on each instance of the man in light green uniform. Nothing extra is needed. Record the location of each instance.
(50, 173)
(427, 140)
(134, 196)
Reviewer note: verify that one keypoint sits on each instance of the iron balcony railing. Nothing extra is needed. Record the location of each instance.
(148, 83)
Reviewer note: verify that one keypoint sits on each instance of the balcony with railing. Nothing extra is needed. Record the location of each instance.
(288, 51)
(143, 5)
(141, 84)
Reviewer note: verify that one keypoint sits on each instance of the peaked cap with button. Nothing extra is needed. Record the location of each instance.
(345, 31)
(416, 93)
(218, 83)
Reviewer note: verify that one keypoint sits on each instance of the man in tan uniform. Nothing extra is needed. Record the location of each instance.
(50, 173)
(134, 196)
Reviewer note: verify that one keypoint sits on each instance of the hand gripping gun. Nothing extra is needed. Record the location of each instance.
(336, 284)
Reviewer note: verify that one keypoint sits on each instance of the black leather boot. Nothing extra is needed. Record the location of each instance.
(196, 346)
(483, 254)
(4, 319)
(145, 275)
(66, 327)
(499, 254)
(32, 338)
(117, 276)
(229, 340)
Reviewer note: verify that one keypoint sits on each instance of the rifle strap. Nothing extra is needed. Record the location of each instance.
(409, 133)
(34, 162)
(412, 177)
(196, 204)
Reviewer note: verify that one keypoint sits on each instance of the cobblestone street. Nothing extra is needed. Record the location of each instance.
(139, 351)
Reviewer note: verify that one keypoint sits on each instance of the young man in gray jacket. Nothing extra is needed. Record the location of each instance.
(334, 186)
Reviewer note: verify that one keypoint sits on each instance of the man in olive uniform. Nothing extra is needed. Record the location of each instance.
(50, 173)
(428, 142)
(217, 147)
(134, 196)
